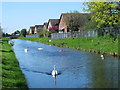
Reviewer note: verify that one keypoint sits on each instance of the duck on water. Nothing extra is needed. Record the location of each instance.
(102, 56)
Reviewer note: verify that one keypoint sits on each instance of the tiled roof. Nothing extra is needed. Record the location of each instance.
(38, 25)
(67, 14)
(54, 21)
(32, 26)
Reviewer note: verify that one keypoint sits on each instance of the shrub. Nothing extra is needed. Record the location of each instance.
(53, 31)
(48, 34)
(40, 34)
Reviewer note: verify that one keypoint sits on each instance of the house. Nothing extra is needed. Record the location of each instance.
(45, 25)
(31, 30)
(53, 24)
(38, 28)
(62, 24)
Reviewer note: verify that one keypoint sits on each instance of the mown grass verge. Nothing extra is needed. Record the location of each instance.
(12, 76)
(104, 45)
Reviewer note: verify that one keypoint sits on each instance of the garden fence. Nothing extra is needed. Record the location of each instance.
(74, 34)
(33, 36)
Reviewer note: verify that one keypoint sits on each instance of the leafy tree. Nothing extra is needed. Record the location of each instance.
(48, 34)
(53, 31)
(44, 32)
(23, 32)
(89, 25)
(7, 35)
(3, 34)
(105, 14)
(40, 34)
(17, 32)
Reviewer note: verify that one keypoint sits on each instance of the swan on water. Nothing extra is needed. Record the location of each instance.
(102, 56)
(40, 48)
(49, 40)
(26, 50)
(54, 72)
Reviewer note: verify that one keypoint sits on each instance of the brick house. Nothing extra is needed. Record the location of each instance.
(31, 30)
(53, 24)
(62, 23)
(38, 28)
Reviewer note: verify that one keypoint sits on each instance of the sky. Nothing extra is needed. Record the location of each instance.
(19, 15)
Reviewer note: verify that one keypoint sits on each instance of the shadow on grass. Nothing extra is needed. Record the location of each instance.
(6, 51)
(3, 40)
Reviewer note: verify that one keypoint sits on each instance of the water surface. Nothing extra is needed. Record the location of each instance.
(77, 69)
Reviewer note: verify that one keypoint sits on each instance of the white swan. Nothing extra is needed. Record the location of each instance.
(102, 56)
(49, 40)
(40, 48)
(26, 50)
(54, 72)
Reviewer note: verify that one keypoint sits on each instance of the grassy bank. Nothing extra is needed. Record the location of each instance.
(12, 76)
(91, 44)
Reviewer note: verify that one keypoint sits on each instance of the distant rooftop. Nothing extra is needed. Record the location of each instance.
(32, 26)
(38, 25)
(54, 21)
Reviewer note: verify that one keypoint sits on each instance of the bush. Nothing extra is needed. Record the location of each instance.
(48, 34)
(53, 31)
(23, 33)
(40, 34)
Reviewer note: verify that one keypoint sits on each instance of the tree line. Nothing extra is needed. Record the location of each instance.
(21, 33)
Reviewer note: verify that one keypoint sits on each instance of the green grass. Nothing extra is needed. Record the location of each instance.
(102, 44)
(12, 76)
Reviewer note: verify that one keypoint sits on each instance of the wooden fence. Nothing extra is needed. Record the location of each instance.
(84, 33)
(33, 36)
(114, 31)
(74, 34)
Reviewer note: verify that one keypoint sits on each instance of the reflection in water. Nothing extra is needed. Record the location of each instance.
(42, 72)
(99, 77)
(55, 81)
(103, 71)
(75, 69)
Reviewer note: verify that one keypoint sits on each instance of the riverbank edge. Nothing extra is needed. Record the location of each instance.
(12, 75)
(79, 49)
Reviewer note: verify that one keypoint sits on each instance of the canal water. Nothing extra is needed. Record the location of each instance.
(76, 69)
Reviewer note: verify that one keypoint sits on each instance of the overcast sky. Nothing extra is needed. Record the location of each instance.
(19, 15)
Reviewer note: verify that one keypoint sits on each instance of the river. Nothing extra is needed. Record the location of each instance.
(76, 69)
